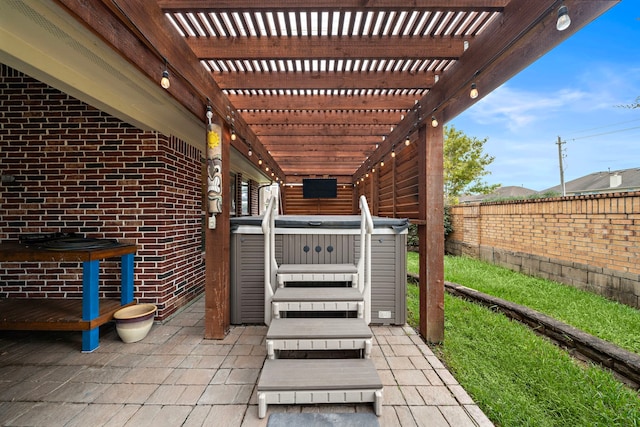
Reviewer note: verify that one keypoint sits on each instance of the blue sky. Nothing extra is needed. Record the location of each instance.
(571, 92)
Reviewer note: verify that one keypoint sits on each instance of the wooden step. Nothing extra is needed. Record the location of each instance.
(317, 299)
(318, 334)
(312, 381)
(316, 273)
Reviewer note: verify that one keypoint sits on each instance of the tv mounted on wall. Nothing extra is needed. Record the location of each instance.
(319, 188)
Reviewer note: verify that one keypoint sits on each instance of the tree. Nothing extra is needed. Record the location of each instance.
(464, 165)
(633, 105)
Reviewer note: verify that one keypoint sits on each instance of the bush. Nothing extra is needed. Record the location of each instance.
(412, 237)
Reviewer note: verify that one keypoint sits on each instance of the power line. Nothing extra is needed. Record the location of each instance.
(604, 133)
(608, 126)
(601, 128)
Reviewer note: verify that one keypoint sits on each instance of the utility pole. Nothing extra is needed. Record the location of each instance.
(560, 143)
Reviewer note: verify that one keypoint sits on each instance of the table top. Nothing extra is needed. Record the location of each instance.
(17, 251)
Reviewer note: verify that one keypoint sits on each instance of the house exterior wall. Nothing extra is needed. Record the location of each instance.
(590, 242)
(78, 169)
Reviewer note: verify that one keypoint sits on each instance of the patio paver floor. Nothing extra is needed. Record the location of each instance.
(174, 377)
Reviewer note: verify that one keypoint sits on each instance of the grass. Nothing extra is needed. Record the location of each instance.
(608, 320)
(517, 377)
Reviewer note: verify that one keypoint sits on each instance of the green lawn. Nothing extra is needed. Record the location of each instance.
(608, 320)
(515, 376)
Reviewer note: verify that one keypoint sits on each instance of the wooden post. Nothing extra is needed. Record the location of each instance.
(217, 263)
(431, 232)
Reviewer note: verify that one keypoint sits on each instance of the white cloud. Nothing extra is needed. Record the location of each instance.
(517, 109)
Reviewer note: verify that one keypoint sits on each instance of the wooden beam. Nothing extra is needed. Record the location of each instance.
(525, 31)
(138, 32)
(305, 5)
(519, 51)
(321, 170)
(325, 80)
(319, 141)
(378, 131)
(431, 232)
(320, 118)
(323, 102)
(327, 162)
(217, 318)
(292, 48)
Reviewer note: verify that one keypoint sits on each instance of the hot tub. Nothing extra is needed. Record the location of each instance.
(319, 239)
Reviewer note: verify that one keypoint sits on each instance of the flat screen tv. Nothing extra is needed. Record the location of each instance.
(319, 188)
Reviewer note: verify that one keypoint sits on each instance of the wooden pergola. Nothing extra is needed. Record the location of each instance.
(334, 88)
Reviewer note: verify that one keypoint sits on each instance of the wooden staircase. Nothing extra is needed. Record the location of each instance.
(324, 309)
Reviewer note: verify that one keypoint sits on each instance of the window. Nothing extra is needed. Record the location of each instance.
(244, 198)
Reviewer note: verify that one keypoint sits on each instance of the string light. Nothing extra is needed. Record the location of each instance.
(164, 81)
(473, 94)
(434, 122)
(381, 163)
(393, 151)
(564, 20)
(233, 135)
(260, 161)
(407, 141)
(250, 153)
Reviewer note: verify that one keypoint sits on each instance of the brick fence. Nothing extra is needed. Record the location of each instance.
(591, 242)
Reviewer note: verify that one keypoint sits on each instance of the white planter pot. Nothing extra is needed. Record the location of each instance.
(133, 323)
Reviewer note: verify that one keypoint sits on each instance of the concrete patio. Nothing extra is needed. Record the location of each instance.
(174, 377)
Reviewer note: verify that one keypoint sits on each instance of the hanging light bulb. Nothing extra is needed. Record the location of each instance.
(564, 20)
(250, 153)
(373, 170)
(266, 169)
(434, 122)
(474, 91)
(164, 81)
(259, 161)
(233, 135)
(381, 163)
(407, 141)
(393, 151)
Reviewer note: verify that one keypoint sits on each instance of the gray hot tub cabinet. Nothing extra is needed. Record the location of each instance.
(319, 240)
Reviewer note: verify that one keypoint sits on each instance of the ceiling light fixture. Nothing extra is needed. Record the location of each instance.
(434, 122)
(564, 20)
(407, 141)
(250, 152)
(393, 151)
(474, 91)
(233, 135)
(381, 163)
(260, 161)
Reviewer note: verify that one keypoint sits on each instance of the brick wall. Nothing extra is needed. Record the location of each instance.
(78, 169)
(591, 242)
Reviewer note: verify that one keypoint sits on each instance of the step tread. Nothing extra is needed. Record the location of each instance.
(310, 294)
(320, 328)
(317, 268)
(318, 374)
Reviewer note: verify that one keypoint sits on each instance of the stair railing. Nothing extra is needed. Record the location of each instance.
(270, 264)
(364, 263)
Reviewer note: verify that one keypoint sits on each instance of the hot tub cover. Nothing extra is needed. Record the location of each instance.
(323, 221)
